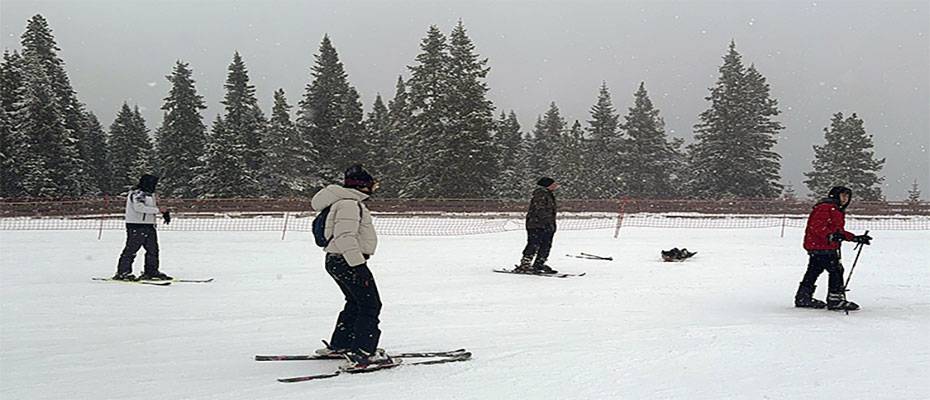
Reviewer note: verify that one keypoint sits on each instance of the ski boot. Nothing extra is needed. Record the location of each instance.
(542, 268)
(124, 276)
(330, 352)
(524, 267)
(804, 298)
(837, 302)
(154, 276)
(359, 360)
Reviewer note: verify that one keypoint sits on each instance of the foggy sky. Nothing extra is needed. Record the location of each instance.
(867, 57)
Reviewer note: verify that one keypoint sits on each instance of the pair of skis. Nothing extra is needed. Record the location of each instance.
(588, 256)
(433, 357)
(154, 283)
(556, 275)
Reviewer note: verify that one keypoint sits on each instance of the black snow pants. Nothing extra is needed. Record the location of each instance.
(538, 244)
(139, 235)
(820, 261)
(357, 326)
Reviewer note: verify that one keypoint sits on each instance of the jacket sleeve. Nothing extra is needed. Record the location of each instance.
(839, 220)
(138, 204)
(346, 222)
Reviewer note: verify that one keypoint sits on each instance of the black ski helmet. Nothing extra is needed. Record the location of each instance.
(147, 183)
(835, 195)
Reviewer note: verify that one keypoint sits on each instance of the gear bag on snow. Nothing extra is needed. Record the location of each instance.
(319, 226)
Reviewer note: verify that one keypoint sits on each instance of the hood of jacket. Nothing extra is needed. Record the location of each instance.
(333, 193)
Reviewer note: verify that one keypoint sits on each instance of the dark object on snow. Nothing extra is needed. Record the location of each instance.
(676, 254)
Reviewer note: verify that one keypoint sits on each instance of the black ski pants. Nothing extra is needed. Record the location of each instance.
(538, 244)
(829, 261)
(357, 326)
(139, 235)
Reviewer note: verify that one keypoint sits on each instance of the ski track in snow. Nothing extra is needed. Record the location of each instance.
(721, 325)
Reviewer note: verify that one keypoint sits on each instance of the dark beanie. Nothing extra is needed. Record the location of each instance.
(356, 177)
(147, 183)
(545, 181)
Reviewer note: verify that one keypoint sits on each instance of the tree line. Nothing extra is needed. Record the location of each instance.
(438, 136)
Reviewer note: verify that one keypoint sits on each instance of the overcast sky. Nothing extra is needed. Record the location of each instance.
(820, 57)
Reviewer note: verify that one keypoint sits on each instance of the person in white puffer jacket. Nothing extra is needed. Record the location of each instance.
(353, 241)
(141, 212)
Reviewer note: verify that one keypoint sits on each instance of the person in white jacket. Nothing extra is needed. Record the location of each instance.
(141, 212)
(353, 241)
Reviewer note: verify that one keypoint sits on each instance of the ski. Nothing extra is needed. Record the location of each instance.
(208, 280)
(456, 358)
(556, 275)
(154, 283)
(307, 357)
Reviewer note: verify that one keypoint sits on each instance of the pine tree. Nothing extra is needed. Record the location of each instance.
(544, 147)
(330, 114)
(399, 141)
(222, 173)
(40, 48)
(913, 195)
(288, 166)
(245, 121)
(129, 149)
(733, 155)
(426, 127)
(378, 138)
(93, 146)
(571, 163)
(469, 123)
(846, 159)
(606, 147)
(13, 146)
(511, 182)
(181, 139)
(652, 162)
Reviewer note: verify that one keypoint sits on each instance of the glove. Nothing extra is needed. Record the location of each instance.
(366, 256)
(166, 216)
(864, 239)
(836, 237)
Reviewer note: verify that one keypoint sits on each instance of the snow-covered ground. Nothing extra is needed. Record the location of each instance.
(719, 326)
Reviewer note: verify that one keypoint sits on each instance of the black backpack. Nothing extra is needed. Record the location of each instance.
(319, 226)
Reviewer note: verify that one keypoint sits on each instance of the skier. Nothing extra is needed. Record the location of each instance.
(540, 229)
(140, 232)
(353, 241)
(825, 230)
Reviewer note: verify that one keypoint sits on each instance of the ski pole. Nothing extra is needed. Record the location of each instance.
(853, 268)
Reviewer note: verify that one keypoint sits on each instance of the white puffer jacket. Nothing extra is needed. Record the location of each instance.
(348, 223)
(140, 207)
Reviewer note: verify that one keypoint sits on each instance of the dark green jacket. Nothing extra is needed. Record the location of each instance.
(541, 214)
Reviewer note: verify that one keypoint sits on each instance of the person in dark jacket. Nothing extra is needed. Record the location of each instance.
(540, 228)
(140, 232)
(826, 229)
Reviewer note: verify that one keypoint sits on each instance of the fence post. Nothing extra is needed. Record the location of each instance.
(784, 218)
(284, 231)
(620, 217)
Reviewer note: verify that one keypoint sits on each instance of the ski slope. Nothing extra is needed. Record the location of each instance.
(721, 325)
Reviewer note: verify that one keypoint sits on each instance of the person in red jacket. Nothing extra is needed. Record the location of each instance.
(825, 231)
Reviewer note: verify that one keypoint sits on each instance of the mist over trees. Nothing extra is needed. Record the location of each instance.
(437, 136)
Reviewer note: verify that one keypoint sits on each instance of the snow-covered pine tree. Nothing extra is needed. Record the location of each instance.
(182, 137)
(289, 158)
(606, 148)
(846, 159)
(399, 141)
(13, 146)
(222, 173)
(377, 140)
(40, 47)
(733, 156)
(330, 115)
(93, 147)
(470, 120)
(129, 149)
(511, 181)
(428, 108)
(913, 194)
(245, 121)
(545, 144)
(571, 163)
(652, 161)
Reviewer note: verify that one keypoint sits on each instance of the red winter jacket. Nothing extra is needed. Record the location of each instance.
(825, 219)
